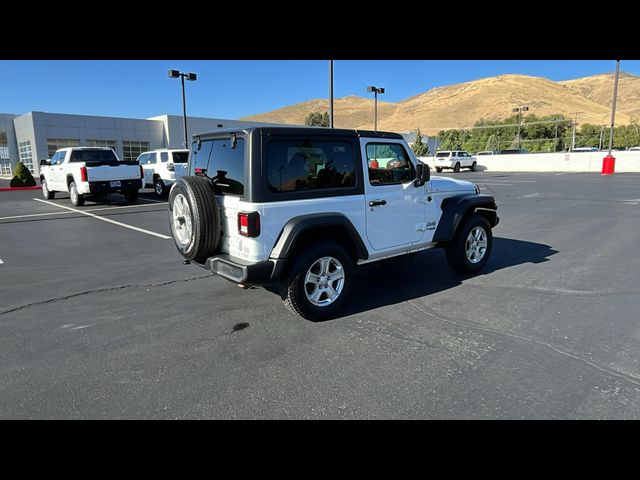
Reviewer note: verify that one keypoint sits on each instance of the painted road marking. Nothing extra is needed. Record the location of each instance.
(65, 213)
(1, 262)
(130, 227)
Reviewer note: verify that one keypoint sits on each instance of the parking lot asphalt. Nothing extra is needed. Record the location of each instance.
(101, 320)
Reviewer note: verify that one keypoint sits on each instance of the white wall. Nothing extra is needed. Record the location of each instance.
(554, 162)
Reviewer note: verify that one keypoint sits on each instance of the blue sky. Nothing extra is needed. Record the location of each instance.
(232, 89)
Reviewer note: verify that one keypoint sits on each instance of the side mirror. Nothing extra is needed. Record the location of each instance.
(423, 174)
(45, 163)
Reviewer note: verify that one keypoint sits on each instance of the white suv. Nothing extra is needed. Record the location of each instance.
(300, 209)
(162, 168)
(454, 160)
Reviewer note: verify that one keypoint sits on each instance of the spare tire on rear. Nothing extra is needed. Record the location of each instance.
(194, 218)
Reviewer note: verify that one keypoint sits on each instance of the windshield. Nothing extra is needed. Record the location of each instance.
(100, 157)
(180, 157)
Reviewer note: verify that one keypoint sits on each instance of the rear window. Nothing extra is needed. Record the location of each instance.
(95, 157)
(295, 165)
(180, 157)
(443, 154)
(223, 164)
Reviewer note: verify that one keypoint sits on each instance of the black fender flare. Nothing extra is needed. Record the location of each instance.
(455, 208)
(295, 227)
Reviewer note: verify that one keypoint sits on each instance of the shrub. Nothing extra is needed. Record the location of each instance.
(22, 177)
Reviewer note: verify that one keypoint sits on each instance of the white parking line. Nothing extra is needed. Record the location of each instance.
(65, 213)
(130, 227)
(1, 262)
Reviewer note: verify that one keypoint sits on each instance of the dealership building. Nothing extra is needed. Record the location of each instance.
(35, 136)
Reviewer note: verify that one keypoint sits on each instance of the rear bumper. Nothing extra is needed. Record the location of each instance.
(105, 187)
(242, 271)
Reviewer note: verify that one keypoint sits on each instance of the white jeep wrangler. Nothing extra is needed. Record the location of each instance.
(302, 208)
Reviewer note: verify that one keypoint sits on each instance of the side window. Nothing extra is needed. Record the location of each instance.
(223, 164)
(152, 158)
(295, 165)
(164, 157)
(389, 164)
(143, 159)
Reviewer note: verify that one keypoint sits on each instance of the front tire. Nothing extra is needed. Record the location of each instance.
(473, 166)
(471, 247)
(131, 195)
(319, 282)
(77, 199)
(194, 218)
(46, 193)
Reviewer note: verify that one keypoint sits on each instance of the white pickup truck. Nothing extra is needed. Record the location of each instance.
(89, 172)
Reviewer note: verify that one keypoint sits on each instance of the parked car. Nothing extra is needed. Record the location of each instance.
(163, 167)
(89, 172)
(487, 152)
(454, 160)
(300, 209)
(585, 149)
(634, 149)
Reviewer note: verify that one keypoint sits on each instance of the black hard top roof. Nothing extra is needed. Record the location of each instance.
(298, 130)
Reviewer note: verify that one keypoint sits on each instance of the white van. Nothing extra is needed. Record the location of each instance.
(163, 167)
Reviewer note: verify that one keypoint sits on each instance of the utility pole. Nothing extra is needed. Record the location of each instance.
(601, 136)
(613, 108)
(573, 137)
(555, 140)
(520, 110)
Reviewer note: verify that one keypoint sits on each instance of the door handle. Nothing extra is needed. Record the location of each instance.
(375, 203)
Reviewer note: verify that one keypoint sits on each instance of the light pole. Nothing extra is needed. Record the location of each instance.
(330, 93)
(189, 76)
(613, 106)
(520, 110)
(376, 91)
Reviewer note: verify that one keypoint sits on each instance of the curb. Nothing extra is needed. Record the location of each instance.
(9, 189)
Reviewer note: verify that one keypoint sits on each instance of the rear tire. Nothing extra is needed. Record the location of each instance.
(471, 247)
(438, 169)
(194, 218)
(46, 193)
(77, 199)
(159, 187)
(319, 282)
(456, 168)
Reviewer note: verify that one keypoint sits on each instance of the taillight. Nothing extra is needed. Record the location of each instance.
(83, 174)
(249, 224)
(141, 172)
(171, 167)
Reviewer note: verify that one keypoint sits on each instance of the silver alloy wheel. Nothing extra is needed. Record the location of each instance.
(73, 193)
(476, 244)
(158, 187)
(45, 190)
(324, 281)
(182, 223)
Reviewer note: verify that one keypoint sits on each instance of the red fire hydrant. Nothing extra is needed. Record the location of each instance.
(608, 165)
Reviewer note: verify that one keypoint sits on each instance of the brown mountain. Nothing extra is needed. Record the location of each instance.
(462, 105)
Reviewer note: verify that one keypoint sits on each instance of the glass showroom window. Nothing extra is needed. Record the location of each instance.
(132, 150)
(24, 149)
(101, 143)
(54, 144)
(5, 162)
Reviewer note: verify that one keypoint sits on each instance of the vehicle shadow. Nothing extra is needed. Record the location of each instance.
(427, 273)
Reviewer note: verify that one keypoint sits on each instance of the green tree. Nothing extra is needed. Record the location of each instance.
(22, 177)
(317, 119)
(492, 143)
(419, 149)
